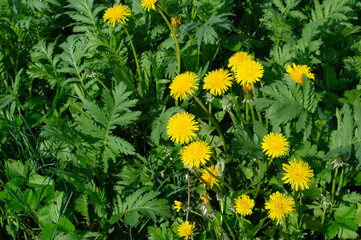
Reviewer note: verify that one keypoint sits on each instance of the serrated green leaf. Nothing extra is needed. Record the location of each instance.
(330, 229)
(139, 202)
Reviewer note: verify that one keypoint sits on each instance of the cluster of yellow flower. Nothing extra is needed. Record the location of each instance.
(181, 128)
(297, 173)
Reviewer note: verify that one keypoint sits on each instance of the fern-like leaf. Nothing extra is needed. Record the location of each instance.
(287, 101)
(75, 49)
(84, 14)
(45, 64)
(207, 34)
(100, 122)
(140, 202)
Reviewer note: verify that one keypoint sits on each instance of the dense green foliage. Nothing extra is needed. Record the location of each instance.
(84, 147)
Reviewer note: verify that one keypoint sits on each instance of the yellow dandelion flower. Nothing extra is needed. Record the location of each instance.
(181, 127)
(274, 145)
(186, 229)
(249, 72)
(117, 14)
(148, 4)
(279, 206)
(247, 88)
(183, 84)
(244, 205)
(195, 153)
(210, 180)
(296, 72)
(218, 81)
(238, 59)
(298, 174)
(176, 21)
(177, 205)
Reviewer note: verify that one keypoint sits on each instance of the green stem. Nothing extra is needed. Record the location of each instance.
(234, 119)
(229, 229)
(194, 11)
(189, 195)
(284, 225)
(210, 112)
(334, 184)
(341, 181)
(323, 218)
(134, 53)
(105, 87)
(247, 113)
(214, 121)
(252, 112)
(177, 49)
(259, 184)
(196, 213)
(254, 97)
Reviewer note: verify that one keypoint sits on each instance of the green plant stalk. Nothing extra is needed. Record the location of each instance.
(105, 87)
(258, 113)
(341, 181)
(247, 113)
(189, 195)
(177, 49)
(196, 213)
(259, 184)
(234, 119)
(334, 184)
(284, 226)
(134, 53)
(194, 11)
(252, 112)
(214, 121)
(323, 218)
(210, 111)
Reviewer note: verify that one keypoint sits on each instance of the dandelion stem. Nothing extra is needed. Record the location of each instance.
(341, 181)
(189, 195)
(334, 184)
(234, 119)
(323, 217)
(252, 112)
(284, 224)
(247, 113)
(229, 229)
(214, 121)
(134, 53)
(197, 213)
(177, 49)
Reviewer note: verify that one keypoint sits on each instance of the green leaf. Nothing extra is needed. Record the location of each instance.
(16, 169)
(159, 124)
(101, 121)
(343, 212)
(85, 14)
(352, 197)
(207, 34)
(243, 144)
(287, 101)
(139, 202)
(330, 229)
(81, 205)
